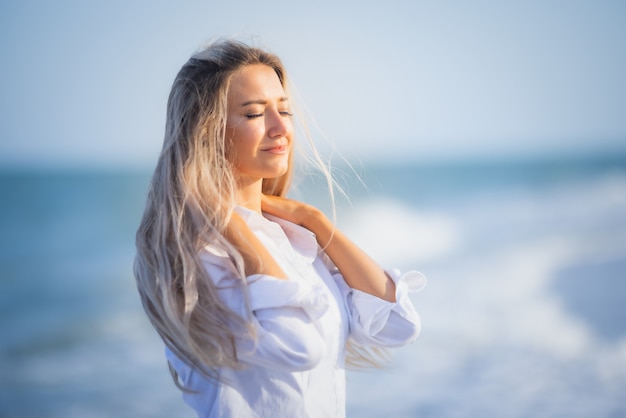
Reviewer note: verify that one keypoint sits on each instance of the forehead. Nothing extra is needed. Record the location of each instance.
(257, 80)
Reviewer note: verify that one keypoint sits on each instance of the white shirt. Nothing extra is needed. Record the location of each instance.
(296, 366)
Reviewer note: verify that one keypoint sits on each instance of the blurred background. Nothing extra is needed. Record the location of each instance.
(490, 142)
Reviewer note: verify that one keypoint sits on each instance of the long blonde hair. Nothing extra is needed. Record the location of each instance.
(190, 199)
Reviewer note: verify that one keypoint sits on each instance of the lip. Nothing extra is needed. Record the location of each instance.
(278, 148)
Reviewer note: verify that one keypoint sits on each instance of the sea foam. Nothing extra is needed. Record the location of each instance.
(394, 233)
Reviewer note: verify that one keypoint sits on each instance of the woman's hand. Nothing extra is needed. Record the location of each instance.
(301, 214)
(291, 210)
(356, 267)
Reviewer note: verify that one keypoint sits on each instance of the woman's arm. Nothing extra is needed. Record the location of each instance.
(357, 268)
(257, 259)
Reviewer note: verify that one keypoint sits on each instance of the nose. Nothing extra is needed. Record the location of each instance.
(279, 125)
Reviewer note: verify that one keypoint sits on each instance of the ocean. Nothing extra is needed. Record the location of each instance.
(523, 314)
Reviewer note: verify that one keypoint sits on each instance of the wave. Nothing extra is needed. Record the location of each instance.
(394, 233)
(516, 315)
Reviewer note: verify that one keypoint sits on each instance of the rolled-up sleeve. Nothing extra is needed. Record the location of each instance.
(374, 321)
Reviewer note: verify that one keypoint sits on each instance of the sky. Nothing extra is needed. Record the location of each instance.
(86, 83)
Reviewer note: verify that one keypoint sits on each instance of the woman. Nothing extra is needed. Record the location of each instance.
(258, 298)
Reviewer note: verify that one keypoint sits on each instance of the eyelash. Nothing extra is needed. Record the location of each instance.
(258, 115)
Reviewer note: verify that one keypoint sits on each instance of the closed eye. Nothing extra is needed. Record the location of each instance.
(258, 115)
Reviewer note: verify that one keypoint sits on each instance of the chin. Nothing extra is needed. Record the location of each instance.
(270, 170)
(278, 171)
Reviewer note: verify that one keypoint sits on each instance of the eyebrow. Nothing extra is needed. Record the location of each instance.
(262, 101)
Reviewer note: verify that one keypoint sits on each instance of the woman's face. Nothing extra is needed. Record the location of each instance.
(259, 128)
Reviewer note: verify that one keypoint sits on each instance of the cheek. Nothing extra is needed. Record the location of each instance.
(241, 142)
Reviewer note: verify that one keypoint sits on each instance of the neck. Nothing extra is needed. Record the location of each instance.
(249, 195)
